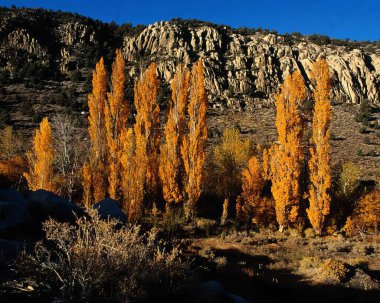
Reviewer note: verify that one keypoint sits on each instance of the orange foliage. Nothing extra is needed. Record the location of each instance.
(287, 159)
(252, 185)
(193, 147)
(41, 159)
(147, 127)
(116, 116)
(171, 166)
(319, 163)
(366, 216)
(13, 168)
(96, 104)
(133, 164)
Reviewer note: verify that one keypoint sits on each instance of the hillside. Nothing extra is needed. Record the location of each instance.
(46, 59)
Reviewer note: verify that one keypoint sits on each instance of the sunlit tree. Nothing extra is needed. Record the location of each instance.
(147, 127)
(97, 132)
(252, 185)
(230, 156)
(319, 163)
(171, 165)
(193, 148)
(288, 156)
(116, 116)
(40, 158)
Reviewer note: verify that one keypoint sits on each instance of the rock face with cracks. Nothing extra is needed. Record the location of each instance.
(242, 67)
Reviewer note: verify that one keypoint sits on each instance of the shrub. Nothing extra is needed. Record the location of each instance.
(174, 219)
(333, 270)
(308, 263)
(309, 233)
(99, 259)
(220, 262)
(366, 215)
(207, 252)
(206, 225)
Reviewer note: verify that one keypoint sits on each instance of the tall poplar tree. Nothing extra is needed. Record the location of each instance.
(116, 116)
(171, 164)
(40, 158)
(193, 148)
(287, 158)
(147, 127)
(319, 163)
(97, 132)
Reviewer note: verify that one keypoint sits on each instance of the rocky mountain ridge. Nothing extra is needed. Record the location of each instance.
(251, 67)
(243, 68)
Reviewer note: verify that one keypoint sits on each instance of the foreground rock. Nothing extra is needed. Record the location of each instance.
(43, 204)
(110, 209)
(14, 214)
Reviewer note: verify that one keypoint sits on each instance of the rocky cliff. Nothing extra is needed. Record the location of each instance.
(250, 67)
(243, 67)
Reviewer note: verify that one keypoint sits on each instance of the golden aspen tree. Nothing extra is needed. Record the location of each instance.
(319, 163)
(193, 148)
(288, 156)
(147, 127)
(252, 186)
(96, 105)
(171, 166)
(133, 165)
(230, 156)
(41, 159)
(86, 184)
(366, 215)
(116, 116)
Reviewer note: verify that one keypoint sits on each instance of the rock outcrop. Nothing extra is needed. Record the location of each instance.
(243, 68)
(252, 66)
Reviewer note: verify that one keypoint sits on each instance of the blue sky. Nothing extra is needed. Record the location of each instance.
(353, 19)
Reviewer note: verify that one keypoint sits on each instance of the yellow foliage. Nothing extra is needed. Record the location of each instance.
(252, 186)
(288, 155)
(171, 165)
(348, 180)
(13, 168)
(319, 163)
(366, 215)
(40, 158)
(229, 158)
(96, 105)
(147, 127)
(116, 116)
(133, 163)
(193, 148)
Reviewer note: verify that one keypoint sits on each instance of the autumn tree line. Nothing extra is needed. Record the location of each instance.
(141, 163)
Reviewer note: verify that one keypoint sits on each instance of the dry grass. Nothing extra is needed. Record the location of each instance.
(333, 271)
(98, 259)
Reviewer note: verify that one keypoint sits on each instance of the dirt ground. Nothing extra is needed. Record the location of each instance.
(273, 267)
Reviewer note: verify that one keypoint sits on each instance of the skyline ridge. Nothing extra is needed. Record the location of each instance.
(353, 20)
